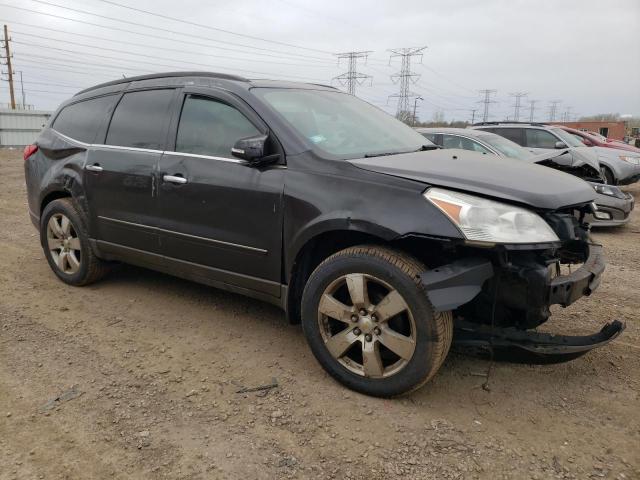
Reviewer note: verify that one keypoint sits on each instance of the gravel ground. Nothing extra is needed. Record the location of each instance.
(136, 377)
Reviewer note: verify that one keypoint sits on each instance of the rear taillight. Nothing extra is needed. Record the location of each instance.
(28, 151)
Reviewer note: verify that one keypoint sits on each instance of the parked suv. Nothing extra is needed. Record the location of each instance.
(614, 205)
(620, 161)
(540, 137)
(322, 204)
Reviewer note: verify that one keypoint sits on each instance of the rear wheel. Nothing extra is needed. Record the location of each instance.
(370, 324)
(66, 245)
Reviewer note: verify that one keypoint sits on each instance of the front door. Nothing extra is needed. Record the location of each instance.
(121, 172)
(221, 219)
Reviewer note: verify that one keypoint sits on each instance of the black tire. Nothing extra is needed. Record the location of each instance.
(91, 268)
(433, 331)
(608, 176)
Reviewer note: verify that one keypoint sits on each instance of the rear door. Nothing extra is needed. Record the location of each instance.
(121, 172)
(220, 217)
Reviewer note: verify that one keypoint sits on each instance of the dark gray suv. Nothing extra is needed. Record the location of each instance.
(315, 201)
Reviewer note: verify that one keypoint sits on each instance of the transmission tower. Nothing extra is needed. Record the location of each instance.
(532, 109)
(566, 116)
(487, 100)
(352, 77)
(516, 107)
(405, 77)
(553, 109)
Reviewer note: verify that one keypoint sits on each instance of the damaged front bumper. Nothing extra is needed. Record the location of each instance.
(497, 303)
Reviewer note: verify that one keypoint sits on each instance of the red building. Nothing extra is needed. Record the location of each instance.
(613, 130)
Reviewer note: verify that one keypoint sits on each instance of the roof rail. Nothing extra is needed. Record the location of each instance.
(505, 122)
(151, 76)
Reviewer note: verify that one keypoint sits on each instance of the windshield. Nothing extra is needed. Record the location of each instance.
(567, 138)
(341, 125)
(506, 146)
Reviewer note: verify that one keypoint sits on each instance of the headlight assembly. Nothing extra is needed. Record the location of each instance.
(630, 159)
(489, 221)
(609, 190)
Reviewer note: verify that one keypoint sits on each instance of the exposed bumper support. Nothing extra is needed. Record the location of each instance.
(566, 289)
(528, 346)
(457, 283)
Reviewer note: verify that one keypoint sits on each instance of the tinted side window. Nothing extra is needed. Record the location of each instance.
(140, 119)
(82, 120)
(454, 141)
(513, 134)
(429, 136)
(209, 127)
(539, 139)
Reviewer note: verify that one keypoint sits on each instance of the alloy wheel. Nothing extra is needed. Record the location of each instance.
(63, 243)
(367, 325)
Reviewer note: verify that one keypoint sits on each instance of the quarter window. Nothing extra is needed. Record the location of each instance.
(140, 119)
(540, 139)
(210, 127)
(82, 120)
(513, 134)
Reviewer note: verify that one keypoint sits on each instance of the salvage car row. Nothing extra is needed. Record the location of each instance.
(560, 148)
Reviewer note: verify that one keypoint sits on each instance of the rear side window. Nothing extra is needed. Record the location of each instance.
(81, 121)
(540, 139)
(140, 119)
(209, 127)
(454, 141)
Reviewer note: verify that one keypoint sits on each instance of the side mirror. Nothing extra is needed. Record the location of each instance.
(250, 149)
(560, 145)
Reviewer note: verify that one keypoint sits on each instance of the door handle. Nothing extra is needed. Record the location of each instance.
(174, 179)
(94, 168)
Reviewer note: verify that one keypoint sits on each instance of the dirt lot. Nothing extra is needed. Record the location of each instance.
(158, 361)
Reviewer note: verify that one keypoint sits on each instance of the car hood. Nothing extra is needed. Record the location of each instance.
(533, 185)
(614, 153)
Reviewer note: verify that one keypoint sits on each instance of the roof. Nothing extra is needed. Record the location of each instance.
(213, 75)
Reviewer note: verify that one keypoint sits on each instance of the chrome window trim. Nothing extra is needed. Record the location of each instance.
(147, 150)
(187, 235)
(207, 157)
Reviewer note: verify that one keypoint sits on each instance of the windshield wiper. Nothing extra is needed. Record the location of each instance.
(421, 149)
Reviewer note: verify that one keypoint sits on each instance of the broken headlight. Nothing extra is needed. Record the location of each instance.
(489, 221)
(609, 190)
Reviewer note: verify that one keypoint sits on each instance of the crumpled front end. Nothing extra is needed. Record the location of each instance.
(510, 289)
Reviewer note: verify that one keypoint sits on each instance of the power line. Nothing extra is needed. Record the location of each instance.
(152, 57)
(516, 107)
(405, 77)
(158, 47)
(150, 35)
(209, 27)
(352, 77)
(486, 101)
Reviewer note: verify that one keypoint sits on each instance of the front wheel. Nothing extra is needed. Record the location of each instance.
(370, 324)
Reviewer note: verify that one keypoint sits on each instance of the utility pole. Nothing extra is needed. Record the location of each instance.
(566, 116)
(405, 77)
(487, 100)
(473, 115)
(532, 108)
(516, 106)
(7, 51)
(352, 77)
(415, 107)
(553, 108)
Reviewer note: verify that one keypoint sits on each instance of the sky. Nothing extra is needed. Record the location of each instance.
(584, 53)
